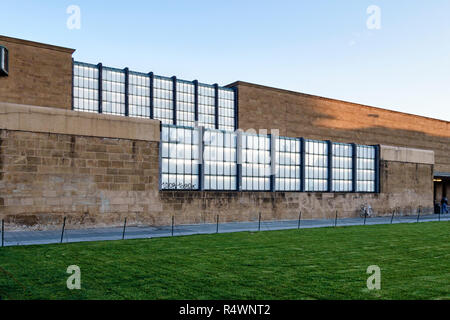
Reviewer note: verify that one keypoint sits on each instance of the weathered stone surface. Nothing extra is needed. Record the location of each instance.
(63, 177)
(39, 74)
(68, 122)
(301, 115)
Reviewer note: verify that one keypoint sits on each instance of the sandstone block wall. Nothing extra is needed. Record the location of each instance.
(39, 74)
(96, 181)
(301, 115)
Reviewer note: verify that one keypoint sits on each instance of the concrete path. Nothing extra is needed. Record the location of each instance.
(17, 238)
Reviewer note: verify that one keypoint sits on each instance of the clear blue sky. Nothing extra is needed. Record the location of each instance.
(320, 47)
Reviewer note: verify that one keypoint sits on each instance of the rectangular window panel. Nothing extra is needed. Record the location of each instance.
(342, 167)
(113, 94)
(85, 87)
(288, 172)
(365, 173)
(139, 95)
(255, 162)
(226, 109)
(185, 103)
(86, 92)
(219, 160)
(179, 158)
(163, 99)
(316, 165)
(206, 108)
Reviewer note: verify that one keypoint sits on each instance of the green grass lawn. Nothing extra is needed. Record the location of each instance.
(325, 263)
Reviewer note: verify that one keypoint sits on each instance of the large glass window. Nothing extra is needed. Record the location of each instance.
(219, 160)
(365, 173)
(180, 165)
(288, 174)
(255, 162)
(85, 87)
(163, 99)
(226, 109)
(316, 165)
(342, 167)
(185, 103)
(113, 94)
(179, 158)
(206, 106)
(139, 95)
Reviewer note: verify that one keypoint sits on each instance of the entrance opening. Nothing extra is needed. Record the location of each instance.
(441, 188)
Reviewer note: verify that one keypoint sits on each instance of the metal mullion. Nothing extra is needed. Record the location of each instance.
(239, 160)
(377, 169)
(127, 91)
(216, 106)
(152, 95)
(100, 88)
(223, 159)
(174, 99)
(201, 150)
(73, 82)
(236, 109)
(195, 102)
(273, 162)
(302, 165)
(330, 166)
(354, 167)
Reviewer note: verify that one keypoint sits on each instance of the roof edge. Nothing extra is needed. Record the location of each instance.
(36, 44)
(249, 84)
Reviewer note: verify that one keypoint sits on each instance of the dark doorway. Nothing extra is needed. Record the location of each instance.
(441, 188)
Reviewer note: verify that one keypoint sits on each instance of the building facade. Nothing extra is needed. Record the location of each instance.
(97, 144)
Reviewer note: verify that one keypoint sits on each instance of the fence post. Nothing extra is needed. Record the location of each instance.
(392, 218)
(365, 215)
(418, 214)
(259, 223)
(299, 219)
(63, 227)
(3, 232)
(173, 221)
(124, 226)
(217, 226)
(335, 220)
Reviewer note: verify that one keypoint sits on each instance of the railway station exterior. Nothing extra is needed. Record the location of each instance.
(96, 144)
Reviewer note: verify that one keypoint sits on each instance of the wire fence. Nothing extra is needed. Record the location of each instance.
(67, 233)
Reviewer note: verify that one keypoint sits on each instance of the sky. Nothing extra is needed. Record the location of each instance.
(396, 57)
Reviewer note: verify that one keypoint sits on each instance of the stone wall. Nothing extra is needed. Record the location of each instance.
(97, 181)
(39, 74)
(301, 115)
(92, 181)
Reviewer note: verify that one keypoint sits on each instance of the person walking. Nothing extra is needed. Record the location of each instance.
(444, 205)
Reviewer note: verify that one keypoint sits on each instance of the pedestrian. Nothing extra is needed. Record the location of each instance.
(444, 204)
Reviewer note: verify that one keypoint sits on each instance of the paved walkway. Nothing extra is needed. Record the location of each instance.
(15, 238)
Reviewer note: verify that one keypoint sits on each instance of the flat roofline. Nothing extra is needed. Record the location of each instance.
(36, 44)
(249, 84)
